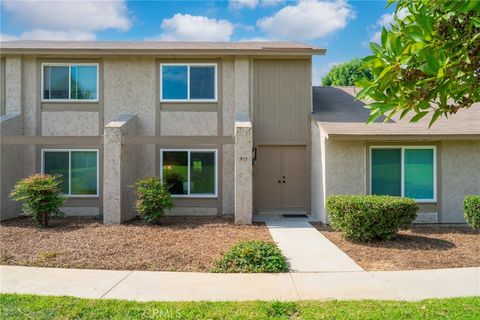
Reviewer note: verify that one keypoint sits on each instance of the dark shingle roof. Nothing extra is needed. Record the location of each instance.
(339, 114)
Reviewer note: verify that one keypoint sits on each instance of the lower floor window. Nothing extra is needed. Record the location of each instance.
(190, 173)
(404, 171)
(78, 170)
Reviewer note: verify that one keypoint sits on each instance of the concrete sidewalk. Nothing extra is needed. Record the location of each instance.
(306, 249)
(183, 286)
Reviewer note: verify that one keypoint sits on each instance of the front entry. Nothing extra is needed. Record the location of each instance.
(280, 180)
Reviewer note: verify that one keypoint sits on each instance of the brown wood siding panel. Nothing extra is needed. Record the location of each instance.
(281, 100)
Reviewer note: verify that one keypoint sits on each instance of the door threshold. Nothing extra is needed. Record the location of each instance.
(289, 215)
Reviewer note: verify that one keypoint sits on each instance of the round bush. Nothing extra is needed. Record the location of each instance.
(41, 195)
(252, 256)
(152, 199)
(471, 207)
(368, 218)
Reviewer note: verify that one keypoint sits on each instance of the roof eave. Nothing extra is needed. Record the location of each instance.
(402, 137)
(81, 51)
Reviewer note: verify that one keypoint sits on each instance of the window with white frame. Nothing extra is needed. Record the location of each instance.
(188, 82)
(408, 171)
(70, 82)
(77, 168)
(189, 173)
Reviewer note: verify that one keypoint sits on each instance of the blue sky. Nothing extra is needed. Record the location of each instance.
(343, 27)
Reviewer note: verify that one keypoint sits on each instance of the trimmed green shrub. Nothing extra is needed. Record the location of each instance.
(369, 218)
(471, 207)
(42, 197)
(252, 256)
(152, 199)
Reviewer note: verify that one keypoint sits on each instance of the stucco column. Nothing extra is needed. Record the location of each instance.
(119, 170)
(243, 171)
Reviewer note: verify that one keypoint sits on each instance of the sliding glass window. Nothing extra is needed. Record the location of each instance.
(69, 82)
(188, 82)
(190, 173)
(78, 170)
(404, 171)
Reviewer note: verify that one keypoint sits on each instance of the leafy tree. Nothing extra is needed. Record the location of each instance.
(428, 62)
(42, 197)
(347, 73)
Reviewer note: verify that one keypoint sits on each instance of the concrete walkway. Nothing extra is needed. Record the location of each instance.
(182, 286)
(306, 249)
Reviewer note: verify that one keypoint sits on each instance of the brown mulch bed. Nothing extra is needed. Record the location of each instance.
(177, 244)
(420, 247)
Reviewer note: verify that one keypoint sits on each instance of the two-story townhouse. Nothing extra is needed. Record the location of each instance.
(235, 129)
(227, 125)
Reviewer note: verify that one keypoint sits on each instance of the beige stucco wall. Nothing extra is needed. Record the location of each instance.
(176, 123)
(242, 86)
(130, 87)
(228, 100)
(192, 211)
(460, 176)
(69, 123)
(13, 85)
(338, 168)
(228, 183)
(30, 115)
(316, 179)
(11, 166)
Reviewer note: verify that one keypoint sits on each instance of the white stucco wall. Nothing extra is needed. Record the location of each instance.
(460, 176)
(69, 123)
(177, 123)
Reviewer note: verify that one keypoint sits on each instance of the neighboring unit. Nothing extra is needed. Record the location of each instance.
(437, 167)
(228, 126)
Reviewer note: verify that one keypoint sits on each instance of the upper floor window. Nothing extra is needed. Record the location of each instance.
(70, 82)
(188, 82)
(404, 171)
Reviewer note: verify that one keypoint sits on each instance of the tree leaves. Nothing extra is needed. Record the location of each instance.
(426, 63)
(346, 74)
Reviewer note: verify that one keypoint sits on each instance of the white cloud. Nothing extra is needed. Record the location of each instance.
(254, 39)
(39, 34)
(386, 21)
(252, 4)
(185, 27)
(307, 20)
(239, 4)
(70, 14)
(68, 19)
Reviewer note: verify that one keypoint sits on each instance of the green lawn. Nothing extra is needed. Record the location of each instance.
(39, 307)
